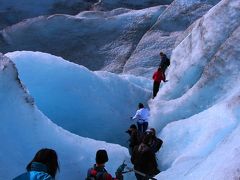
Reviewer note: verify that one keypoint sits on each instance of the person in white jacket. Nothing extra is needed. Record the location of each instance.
(142, 116)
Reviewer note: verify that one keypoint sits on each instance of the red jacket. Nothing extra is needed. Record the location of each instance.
(158, 76)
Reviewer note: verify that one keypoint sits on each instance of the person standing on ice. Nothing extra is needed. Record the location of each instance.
(44, 166)
(142, 116)
(144, 160)
(135, 138)
(165, 62)
(158, 76)
(98, 171)
(154, 142)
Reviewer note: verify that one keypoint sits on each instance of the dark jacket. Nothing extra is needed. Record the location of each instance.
(155, 144)
(165, 62)
(38, 171)
(134, 139)
(144, 160)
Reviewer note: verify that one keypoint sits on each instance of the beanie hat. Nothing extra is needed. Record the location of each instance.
(101, 156)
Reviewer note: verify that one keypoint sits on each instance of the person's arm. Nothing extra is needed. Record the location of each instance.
(153, 77)
(136, 115)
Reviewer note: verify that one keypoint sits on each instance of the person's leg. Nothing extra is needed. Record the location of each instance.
(164, 69)
(139, 127)
(145, 126)
(155, 88)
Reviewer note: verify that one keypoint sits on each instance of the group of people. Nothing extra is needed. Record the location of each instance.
(143, 144)
(159, 75)
(44, 166)
(142, 148)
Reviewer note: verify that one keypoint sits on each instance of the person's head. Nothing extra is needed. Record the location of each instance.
(101, 156)
(147, 137)
(159, 69)
(140, 105)
(161, 53)
(47, 157)
(131, 128)
(151, 132)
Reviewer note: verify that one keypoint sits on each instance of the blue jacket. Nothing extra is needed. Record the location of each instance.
(38, 172)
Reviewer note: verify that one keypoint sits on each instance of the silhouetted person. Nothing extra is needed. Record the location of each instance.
(135, 138)
(144, 160)
(44, 166)
(142, 116)
(98, 171)
(158, 76)
(154, 142)
(165, 62)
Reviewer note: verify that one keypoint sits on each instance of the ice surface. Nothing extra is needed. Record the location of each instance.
(14, 11)
(104, 5)
(74, 97)
(164, 35)
(99, 41)
(24, 130)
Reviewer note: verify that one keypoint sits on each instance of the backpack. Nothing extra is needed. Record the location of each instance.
(167, 61)
(97, 174)
(156, 145)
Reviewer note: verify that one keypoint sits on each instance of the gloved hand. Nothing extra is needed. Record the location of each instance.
(121, 167)
(119, 171)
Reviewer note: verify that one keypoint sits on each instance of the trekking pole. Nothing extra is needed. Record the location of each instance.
(124, 172)
(140, 173)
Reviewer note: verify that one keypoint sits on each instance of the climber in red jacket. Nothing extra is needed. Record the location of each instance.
(158, 76)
